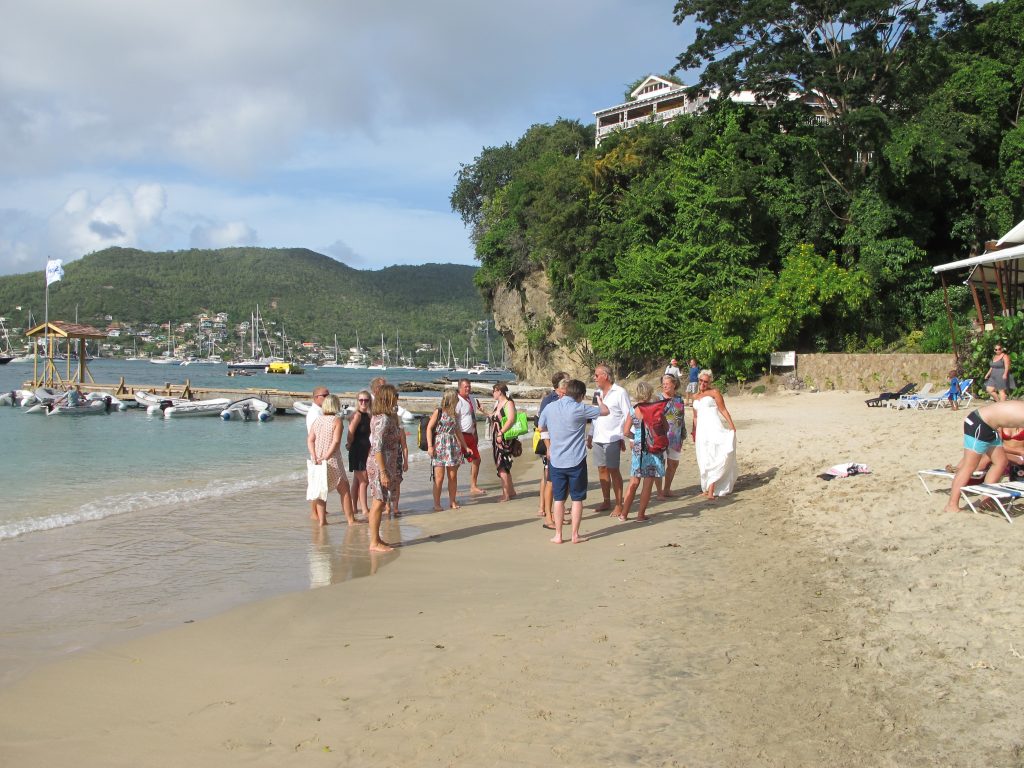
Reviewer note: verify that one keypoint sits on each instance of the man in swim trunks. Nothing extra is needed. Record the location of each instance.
(466, 409)
(982, 438)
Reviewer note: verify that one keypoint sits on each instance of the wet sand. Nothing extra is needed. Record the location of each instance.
(796, 622)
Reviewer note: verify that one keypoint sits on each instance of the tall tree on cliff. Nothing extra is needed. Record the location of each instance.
(859, 62)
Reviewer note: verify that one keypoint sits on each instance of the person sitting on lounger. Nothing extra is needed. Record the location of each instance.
(982, 438)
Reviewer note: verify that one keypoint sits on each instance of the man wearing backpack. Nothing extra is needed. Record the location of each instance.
(606, 440)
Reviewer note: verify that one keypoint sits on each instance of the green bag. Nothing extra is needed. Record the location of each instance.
(519, 427)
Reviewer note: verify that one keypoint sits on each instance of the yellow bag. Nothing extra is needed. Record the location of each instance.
(536, 439)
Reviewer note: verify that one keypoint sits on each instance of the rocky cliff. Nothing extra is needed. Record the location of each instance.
(533, 333)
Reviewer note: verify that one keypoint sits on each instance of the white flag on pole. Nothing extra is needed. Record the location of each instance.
(54, 271)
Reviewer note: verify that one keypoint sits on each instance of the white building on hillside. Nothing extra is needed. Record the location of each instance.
(656, 99)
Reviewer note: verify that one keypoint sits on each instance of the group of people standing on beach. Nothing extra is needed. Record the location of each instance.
(569, 429)
(566, 430)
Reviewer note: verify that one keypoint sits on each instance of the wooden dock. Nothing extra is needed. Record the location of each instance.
(424, 399)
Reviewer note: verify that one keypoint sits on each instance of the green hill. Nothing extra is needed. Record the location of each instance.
(312, 295)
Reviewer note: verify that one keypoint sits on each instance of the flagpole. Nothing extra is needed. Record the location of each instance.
(46, 325)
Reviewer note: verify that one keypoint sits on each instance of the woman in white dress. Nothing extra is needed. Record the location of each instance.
(715, 445)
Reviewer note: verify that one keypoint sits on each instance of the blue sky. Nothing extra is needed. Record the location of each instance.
(325, 124)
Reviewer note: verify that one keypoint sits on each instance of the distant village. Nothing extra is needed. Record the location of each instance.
(211, 336)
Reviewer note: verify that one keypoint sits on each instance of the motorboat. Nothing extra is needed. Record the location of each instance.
(15, 397)
(248, 409)
(116, 403)
(155, 404)
(285, 367)
(302, 407)
(83, 408)
(212, 407)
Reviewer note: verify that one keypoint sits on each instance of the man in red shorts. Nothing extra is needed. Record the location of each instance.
(466, 409)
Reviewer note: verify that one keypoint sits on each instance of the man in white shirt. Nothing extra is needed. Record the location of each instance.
(606, 441)
(673, 368)
(315, 412)
(466, 409)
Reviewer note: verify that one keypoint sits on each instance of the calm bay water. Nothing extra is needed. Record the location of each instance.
(118, 523)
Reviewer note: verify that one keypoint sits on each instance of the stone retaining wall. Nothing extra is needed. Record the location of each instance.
(872, 373)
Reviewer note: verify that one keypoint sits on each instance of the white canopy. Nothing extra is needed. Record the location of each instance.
(1006, 254)
(1015, 235)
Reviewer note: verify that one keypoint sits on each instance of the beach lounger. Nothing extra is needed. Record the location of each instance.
(933, 401)
(914, 400)
(942, 401)
(1002, 495)
(932, 475)
(884, 397)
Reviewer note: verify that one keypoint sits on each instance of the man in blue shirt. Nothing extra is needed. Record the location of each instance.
(565, 421)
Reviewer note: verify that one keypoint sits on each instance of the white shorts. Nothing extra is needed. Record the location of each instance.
(672, 455)
(691, 387)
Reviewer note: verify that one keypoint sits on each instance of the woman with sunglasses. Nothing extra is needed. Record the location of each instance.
(358, 447)
(715, 445)
(999, 380)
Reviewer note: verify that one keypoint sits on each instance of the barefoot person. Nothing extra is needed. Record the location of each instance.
(982, 438)
(358, 447)
(467, 409)
(558, 382)
(503, 417)
(714, 445)
(315, 412)
(565, 421)
(675, 412)
(447, 448)
(324, 443)
(645, 465)
(606, 440)
(383, 466)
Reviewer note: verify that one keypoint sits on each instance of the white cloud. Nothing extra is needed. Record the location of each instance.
(308, 123)
(226, 235)
(83, 225)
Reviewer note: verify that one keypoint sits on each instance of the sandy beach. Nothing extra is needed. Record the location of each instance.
(795, 623)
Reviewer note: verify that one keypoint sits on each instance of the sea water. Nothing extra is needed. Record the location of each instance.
(123, 522)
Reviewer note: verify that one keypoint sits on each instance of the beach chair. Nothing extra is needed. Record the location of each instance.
(1002, 495)
(884, 397)
(934, 401)
(927, 476)
(914, 400)
(942, 401)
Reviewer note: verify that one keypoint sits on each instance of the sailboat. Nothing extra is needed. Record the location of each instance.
(356, 356)
(6, 355)
(168, 357)
(441, 367)
(382, 364)
(257, 360)
(135, 352)
(333, 363)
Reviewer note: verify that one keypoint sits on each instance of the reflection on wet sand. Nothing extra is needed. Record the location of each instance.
(338, 553)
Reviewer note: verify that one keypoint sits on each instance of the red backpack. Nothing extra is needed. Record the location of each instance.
(653, 426)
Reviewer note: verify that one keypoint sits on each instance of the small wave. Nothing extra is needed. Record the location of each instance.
(134, 502)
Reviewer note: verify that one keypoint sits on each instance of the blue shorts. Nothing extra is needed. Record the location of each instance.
(979, 437)
(571, 482)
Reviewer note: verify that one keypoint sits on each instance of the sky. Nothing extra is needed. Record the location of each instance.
(332, 125)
